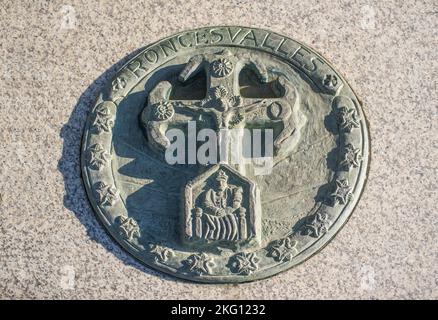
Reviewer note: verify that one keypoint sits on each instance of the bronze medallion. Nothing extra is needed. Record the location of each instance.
(225, 154)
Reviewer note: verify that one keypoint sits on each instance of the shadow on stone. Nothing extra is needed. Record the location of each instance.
(75, 198)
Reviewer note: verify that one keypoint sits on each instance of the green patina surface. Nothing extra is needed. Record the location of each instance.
(228, 222)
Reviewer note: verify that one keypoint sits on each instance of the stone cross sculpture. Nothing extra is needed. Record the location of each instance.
(215, 210)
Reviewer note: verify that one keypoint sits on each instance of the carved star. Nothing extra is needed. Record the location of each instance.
(352, 157)
(317, 224)
(199, 263)
(162, 254)
(244, 263)
(283, 249)
(103, 120)
(98, 157)
(129, 228)
(108, 195)
(348, 119)
(342, 193)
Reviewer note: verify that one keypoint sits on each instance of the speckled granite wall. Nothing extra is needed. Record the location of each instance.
(55, 55)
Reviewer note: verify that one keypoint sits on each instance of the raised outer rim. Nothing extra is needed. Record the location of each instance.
(318, 245)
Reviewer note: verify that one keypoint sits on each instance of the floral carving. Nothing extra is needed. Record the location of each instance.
(161, 254)
(317, 224)
(221, 99)
(352, 157)
(199, 263)
(129, 228)
(235, 120)
(348, 119)
(342, 193)
(103, 121)
(108, 195)
(97, 157)
(235, 101)
(330, 81)
(220, 92)
(222, 67)
(283, 249)
(164, 111)
(244, 263)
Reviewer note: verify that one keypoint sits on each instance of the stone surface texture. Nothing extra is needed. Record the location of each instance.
(56, 55)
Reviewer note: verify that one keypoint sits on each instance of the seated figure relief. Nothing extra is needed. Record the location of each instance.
(221, 206)
(223, 210)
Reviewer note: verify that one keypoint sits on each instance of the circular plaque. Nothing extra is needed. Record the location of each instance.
(225, 154)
